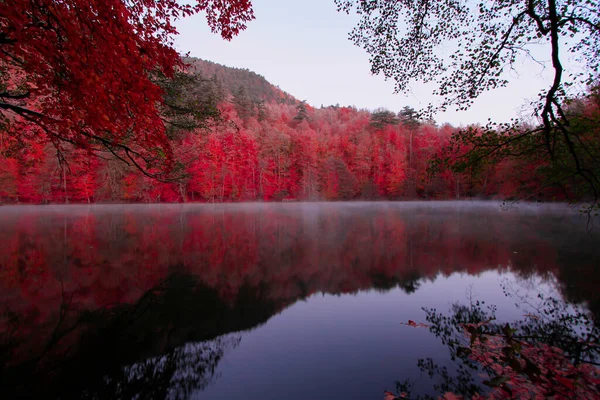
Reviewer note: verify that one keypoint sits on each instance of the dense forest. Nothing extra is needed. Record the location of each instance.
(98, 106)
(256, 142)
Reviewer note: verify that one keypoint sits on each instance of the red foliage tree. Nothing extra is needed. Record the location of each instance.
(332, 154)
(82, 71)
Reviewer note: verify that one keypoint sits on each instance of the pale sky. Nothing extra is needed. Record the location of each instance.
(302, 46)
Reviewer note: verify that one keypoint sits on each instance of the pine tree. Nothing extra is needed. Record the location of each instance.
(301, 112)
(409, 118)
(243, 105)
(382, 117)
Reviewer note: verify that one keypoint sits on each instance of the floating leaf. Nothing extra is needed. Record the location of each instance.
(414, 324)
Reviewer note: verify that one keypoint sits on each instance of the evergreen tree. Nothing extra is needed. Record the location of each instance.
(301, 112)
(243, 104)
(409, 117)
(261, 110)
(382, 117)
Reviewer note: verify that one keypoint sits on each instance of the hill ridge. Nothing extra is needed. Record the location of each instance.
(232, 79)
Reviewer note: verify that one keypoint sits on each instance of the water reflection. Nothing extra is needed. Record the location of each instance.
(482, 349)
(129, 350)
(112, 301)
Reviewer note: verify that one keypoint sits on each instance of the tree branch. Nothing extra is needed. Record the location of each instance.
(538, 20)
(19, 96)
(585, 21)
(21, 110)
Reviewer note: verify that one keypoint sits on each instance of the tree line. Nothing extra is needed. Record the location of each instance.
(249, 151)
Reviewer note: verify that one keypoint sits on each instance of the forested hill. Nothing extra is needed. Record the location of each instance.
(232, 136)
(240, 81)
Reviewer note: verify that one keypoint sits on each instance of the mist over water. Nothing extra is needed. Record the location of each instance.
(263, 300)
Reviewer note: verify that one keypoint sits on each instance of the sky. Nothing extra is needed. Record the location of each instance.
(302, 46)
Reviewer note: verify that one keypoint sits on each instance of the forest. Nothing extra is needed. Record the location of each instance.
(98, 106)
(258, 143)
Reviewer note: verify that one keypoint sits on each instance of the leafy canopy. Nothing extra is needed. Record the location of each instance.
(465, 48)
(84, 71)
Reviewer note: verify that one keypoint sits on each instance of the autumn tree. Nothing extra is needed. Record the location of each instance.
(82, 72)
(404, 41)
(218, 156)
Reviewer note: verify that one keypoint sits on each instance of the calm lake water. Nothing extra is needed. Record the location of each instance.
(264, 301)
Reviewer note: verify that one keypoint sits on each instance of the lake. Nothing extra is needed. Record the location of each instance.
(265, 301)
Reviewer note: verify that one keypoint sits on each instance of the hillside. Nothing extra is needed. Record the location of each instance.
(231, 80)
(255, 142)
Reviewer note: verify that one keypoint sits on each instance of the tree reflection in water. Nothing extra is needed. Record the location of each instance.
(174, 375)
(547, 321)
(113, 301)
(163, 346)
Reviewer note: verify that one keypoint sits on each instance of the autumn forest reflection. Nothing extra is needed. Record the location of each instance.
(154, 294)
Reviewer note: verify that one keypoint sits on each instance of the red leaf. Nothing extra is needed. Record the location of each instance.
(414, 324)
(565, 382)
(388, 396)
